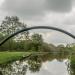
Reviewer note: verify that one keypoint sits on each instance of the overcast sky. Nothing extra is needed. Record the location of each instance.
(56, 13)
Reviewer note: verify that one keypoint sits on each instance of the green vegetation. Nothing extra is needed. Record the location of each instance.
(33, 63)
(24, 44)
(24, 41)
(6, 57)
(72, 65)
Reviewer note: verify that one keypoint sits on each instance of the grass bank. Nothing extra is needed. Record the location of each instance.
(6, 57)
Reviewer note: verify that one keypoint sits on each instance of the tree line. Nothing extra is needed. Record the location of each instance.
(23, 41)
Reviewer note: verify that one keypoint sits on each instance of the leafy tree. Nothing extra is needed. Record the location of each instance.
(1, 37)
(37, 41)
(60, 47)
(9, 26)
(12, 24)
(45, 47)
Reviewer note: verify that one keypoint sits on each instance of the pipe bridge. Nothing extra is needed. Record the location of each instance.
(38, 27)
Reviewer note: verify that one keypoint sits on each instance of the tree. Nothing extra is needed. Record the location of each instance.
(11, 25)
(60, 47)
(1, 36)
(37, 40)
(45, 47)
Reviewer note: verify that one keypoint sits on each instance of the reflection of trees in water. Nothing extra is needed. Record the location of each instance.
(1, 73)
(16, 68)
(61, 56)
(34, 64)
(72, 65)
(36, 61)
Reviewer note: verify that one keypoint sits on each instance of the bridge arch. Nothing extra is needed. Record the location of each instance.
(38, 27)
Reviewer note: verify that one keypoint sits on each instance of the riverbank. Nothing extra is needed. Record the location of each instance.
(6, 57)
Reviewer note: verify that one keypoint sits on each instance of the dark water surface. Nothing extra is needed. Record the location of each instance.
(42, 64)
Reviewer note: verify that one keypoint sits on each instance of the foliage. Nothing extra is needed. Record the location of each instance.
(72, 65)
(37, 41)
(23, 42)
(6, 57)
(11, 25)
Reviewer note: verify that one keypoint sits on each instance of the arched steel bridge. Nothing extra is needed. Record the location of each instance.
(38, 27)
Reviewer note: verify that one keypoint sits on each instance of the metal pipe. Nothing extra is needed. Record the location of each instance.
(38, 27)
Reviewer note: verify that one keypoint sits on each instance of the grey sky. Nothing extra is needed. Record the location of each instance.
(31, 8)
(58, 13)
(59, 5)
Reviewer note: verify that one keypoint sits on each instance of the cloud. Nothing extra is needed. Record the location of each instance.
(26, 8)
(57, 13)
(70, 18)
(34, 8)
(56, 37)
(59, 5)
(1, 1)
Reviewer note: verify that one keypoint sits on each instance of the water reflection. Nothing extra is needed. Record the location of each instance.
(41, 64)
(72, 65)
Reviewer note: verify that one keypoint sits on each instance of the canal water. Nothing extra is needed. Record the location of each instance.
(41, 64)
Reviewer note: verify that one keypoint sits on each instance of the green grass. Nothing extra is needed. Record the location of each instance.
(6, 57)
